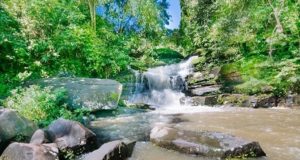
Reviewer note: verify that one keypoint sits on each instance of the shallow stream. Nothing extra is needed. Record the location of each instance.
(276, 129)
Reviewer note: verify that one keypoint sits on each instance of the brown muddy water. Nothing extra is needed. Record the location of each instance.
(277, 130)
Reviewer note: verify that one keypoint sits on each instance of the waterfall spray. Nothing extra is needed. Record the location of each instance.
(162, 86)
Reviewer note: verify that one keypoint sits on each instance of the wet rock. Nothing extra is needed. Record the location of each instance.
(39, 137)
(22, 151)
(14, 127)
(263, 101)
(296, 100)
(293, 101)
(115, 150)
(71, 135)
(208, 90)
(235, 99)
(257, 101)
(141, 106)
(204, 143)
(196, 81)
(204, 77)
(199, 100)
(89, 93)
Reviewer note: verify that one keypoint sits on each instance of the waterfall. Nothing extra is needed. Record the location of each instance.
(162, 86)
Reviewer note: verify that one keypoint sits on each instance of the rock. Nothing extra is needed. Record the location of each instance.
(208, 90)
(295, 101)
(204, 77)
(39, 137)
(240, 100)
(200, 100)
(71, 135)
(22, 151)
(14, 127)
(90, 93)
(263, 101)
(291, 100)
(141, 106)
(257, 101)
(204, 143)
(198, 80)
(115, 150)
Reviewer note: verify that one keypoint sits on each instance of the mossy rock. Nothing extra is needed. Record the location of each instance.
(242, 100)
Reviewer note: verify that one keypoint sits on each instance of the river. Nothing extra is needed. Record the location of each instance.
(276, 129)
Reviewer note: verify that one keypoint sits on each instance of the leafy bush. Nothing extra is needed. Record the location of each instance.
(253, 86)
(39, 105)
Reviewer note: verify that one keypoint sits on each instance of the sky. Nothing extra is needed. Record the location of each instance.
(175, 12)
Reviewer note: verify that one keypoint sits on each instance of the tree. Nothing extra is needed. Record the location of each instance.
(278, 28)
(92, 7)
(142, 16)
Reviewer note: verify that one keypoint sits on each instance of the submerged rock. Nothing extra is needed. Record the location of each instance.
(22, 151)
(71, 135)
(204, 143)
(115, 150)
(14, 127)
(90, 93)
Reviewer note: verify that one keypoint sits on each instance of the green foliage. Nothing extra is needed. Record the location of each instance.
(45, 40)
(68, 154)
(42, 105)
(262, 75)
(13, 52)
(259, 38)
(39, 105)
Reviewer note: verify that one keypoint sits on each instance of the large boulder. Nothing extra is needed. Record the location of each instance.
(204, 143)
(115, 150)
(71, 135)
(22, 151)
(90, 93)
(14, 127)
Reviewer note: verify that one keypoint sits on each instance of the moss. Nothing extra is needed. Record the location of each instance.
(253, 86)
(237, 99)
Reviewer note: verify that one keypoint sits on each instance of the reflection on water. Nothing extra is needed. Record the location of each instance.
(277, 130)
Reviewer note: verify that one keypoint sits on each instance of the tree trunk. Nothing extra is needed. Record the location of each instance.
(276, 12)
(278, 28)
(92, 7)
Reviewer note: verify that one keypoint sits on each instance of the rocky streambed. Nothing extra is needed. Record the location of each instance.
(207, 133)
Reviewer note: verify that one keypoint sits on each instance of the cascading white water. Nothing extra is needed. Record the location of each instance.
(162, 86)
